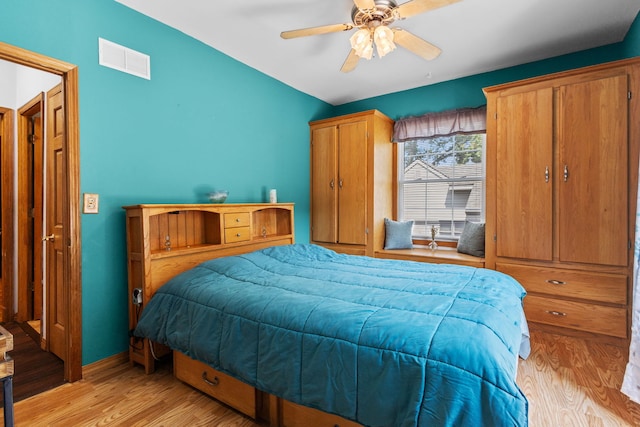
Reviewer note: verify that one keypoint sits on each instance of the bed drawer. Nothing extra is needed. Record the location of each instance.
(602, 287)
(226, 389)
(236, 219)
(293, 415)
(577, 315)
(237, 234)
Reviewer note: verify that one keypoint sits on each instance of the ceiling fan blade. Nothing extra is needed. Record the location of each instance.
(415, 44)
(365, 4)
(351, 62)
(415, 7)
(324, 29)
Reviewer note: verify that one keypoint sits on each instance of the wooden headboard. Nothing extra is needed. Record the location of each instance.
(164, 240)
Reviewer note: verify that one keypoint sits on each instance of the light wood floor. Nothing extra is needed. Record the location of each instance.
(568, 381)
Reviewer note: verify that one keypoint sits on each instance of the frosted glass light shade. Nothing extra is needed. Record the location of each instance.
(361, 41)
(383, 37)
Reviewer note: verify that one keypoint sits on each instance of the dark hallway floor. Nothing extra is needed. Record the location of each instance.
(35, 370)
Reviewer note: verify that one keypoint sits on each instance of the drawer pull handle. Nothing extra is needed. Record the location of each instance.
(213, 383)
(556, 282)
(237, 219)
(556, 313)
(238, 234)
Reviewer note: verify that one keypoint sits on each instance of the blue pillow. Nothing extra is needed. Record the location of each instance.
(471, 240)
(397, 234)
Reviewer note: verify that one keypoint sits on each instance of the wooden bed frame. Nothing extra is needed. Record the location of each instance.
(165, 240)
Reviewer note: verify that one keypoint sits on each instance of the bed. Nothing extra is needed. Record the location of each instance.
(379, 342)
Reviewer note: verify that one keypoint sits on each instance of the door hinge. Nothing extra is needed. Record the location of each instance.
(629, 95)
(31, 213)
(31, 138)
(366, 230)
(495, 116)
(495, 237)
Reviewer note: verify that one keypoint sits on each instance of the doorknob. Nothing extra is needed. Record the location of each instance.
(49, 238)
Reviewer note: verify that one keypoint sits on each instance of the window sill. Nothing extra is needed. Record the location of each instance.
(443, 255)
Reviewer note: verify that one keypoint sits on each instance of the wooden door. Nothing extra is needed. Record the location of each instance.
(57, 308)
(323, 184)
(37, 209)
(30, 209)
(6, 214)
(593, 153)
(524, 178)
(352, 183)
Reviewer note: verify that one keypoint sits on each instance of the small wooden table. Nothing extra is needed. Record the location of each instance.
(6, 374)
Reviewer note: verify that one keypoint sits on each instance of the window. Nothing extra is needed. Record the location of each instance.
(441, 183)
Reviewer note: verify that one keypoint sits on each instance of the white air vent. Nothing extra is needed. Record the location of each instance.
(121, 58)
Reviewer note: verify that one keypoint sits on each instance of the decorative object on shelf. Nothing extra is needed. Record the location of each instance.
(435, 229)
(273, 196)
(218, 196)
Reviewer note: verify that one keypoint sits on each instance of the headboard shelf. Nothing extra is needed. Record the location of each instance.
(164, 240)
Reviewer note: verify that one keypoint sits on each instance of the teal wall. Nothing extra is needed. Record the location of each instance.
(204, 120)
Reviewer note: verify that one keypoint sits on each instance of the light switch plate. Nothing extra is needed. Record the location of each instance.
(91, 203)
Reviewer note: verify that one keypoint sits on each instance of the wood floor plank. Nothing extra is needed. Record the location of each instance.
(568, 381)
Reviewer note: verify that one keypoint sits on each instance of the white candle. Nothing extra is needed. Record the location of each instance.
(273, 197)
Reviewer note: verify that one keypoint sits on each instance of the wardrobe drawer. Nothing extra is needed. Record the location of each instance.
(236, 219)
(602, 287)
(577, 315)
(294, 415)
(237, 234)
(226, 389)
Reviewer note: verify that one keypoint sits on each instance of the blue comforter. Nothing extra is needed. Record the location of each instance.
(380, 342)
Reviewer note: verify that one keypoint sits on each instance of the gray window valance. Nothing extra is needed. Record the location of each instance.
(464, 120)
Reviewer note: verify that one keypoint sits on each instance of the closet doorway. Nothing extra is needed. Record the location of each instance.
(61, 229)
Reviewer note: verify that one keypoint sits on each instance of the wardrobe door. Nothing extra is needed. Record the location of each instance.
(524, 179)
(324, 226)
(352, 183)
(593, 152)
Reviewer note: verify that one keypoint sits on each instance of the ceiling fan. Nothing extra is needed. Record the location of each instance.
(372, 18)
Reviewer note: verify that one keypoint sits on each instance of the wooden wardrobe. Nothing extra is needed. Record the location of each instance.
(562, 173)
(352, 175)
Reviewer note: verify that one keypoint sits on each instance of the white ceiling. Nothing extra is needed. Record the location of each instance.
(475, 36)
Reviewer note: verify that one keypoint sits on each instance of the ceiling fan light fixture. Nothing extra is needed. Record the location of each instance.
(362, 43)
(383, 37)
